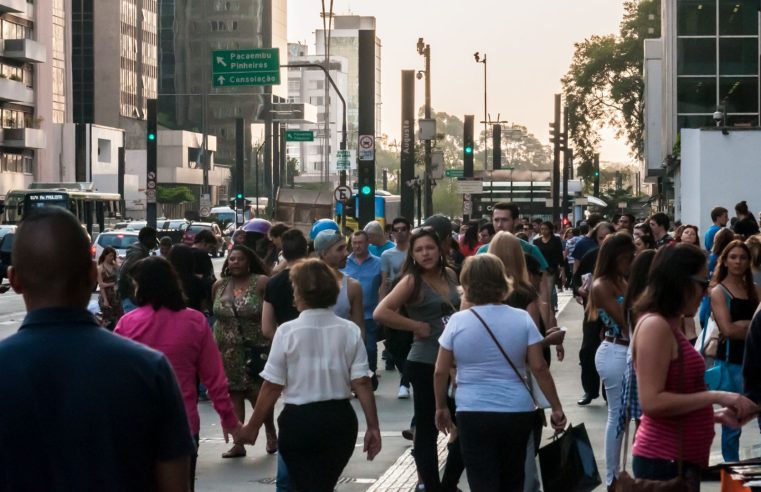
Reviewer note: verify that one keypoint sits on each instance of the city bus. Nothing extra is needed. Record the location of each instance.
(96, 211)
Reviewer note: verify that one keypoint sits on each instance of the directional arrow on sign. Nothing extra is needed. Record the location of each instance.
(221, 61)
(221, 80)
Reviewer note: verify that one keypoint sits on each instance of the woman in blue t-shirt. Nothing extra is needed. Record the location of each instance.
(495, 407)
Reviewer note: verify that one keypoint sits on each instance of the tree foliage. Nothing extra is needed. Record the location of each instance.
(604, 84)
(174, 194)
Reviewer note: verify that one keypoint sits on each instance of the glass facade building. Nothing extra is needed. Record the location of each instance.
(717, 62)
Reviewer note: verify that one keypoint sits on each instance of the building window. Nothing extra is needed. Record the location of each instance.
(738, 56)
(738, 18)
(696, 17)
(696, 95)
(694, 58)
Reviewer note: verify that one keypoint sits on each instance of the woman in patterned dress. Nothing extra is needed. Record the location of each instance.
(108, 299)
(238, 310)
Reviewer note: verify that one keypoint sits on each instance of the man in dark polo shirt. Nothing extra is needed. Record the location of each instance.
(82, 409)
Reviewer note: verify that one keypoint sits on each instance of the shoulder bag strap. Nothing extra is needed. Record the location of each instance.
(507, 358)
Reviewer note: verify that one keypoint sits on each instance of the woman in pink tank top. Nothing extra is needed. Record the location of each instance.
(678, 417)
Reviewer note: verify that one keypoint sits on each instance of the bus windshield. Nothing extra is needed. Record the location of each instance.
(37, 200)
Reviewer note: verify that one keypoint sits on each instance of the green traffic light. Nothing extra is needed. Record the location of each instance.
(366, 190)
(597, 173)
(468, 149)
(239, 196)
(151, 136)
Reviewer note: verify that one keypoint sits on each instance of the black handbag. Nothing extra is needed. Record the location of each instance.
(255, 355)
(568, 462)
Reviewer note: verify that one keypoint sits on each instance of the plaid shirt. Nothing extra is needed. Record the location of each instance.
(630, 406)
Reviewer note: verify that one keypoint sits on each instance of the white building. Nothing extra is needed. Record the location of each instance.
(307, 86)
(707, 60)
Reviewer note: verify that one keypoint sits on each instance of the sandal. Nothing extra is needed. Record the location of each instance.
(271, 443)
(235, 452)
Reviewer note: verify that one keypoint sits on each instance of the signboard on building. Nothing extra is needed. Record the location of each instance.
(245, 67)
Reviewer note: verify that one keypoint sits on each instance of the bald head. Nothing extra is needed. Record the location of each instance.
(52, 265)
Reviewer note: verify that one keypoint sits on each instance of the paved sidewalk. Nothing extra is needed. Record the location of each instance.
(394, 469)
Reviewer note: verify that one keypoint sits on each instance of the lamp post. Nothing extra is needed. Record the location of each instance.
(480, 59)
(424, 50)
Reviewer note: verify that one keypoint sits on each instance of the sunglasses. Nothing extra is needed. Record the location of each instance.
(701, 281)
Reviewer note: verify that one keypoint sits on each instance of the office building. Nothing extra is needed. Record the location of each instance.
(306, 85)
(344, 42)
(190, 32)
(21, 51)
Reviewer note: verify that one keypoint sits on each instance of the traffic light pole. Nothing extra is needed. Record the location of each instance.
(556, 162)
(151, 162)
(428, 171)
(340, 96)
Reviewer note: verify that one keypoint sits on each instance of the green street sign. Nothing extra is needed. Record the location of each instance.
(454, 173)
(245, 67)
(299, 136)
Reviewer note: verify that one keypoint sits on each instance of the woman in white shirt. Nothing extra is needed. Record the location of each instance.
(316, 361)
(495, 410)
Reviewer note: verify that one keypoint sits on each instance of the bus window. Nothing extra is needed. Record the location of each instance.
(100, 215)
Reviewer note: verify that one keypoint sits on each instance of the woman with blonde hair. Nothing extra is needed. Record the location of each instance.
(754, 245)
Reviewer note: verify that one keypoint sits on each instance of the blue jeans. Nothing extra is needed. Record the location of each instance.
(371, 343)
(281, 483)
(730, 438)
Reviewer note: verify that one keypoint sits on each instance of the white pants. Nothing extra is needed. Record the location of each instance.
(610, 361)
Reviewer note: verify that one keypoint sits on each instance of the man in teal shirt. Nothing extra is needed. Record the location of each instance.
(503, 218)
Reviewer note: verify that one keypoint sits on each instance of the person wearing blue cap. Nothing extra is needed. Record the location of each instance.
(322, 225)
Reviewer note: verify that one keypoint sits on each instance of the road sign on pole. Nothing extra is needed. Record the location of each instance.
(366, 148)
(454, 173)
(299, 136)
(245, 67)
(344, 162)
(342, 193)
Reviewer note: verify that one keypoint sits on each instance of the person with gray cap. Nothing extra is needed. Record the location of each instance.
(378, 240)
(330, 247)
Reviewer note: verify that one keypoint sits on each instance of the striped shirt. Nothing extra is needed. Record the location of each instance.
(658, 437)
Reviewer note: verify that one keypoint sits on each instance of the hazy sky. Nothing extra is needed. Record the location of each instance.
(529, 45)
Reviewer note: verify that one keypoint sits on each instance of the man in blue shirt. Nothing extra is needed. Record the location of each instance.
(366, 269)
(377, 237)
(719, 217)
(83, 409)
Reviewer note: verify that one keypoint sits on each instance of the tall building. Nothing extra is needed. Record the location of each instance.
(114, 65)
(190, 32)
(706, 60)
(20, 92)
(344, 42)
(308, 86)
(703, 73)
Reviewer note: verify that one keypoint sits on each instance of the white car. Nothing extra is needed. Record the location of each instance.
(120, 240)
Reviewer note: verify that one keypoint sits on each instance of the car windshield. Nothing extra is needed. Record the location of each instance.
(195, 228)
(118, 241)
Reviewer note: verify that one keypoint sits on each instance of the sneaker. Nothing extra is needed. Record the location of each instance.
(404, 393)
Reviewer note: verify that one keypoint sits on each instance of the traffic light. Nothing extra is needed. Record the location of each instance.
(468, 146)
(366, 190)
(496, 134)
(597, 175)
(151, 160)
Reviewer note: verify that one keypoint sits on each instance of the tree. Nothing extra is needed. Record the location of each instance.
(604, 84)
(174, 194)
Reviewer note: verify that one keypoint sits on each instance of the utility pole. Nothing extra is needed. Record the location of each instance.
(567, 163)
(406, 177)
(425, 50)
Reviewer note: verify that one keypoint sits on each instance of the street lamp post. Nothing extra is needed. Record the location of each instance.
(425, 50)
(479, 59)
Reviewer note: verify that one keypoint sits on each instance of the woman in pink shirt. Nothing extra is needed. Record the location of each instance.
(163, 322)
(677, 412)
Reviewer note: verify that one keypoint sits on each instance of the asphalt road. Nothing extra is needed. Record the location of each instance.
(393, 469)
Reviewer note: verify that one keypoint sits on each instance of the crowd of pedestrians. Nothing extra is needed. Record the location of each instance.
(466, 314)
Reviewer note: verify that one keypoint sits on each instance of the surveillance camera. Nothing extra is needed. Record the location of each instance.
(718, 116)
(476, 56)
(420, 75)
